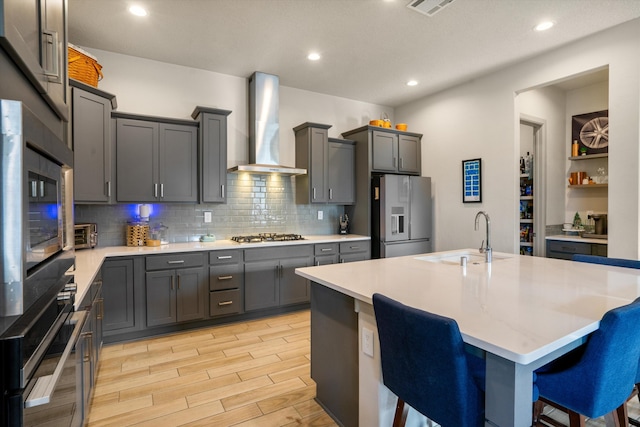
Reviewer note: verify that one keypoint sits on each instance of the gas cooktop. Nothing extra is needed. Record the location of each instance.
(267, 237)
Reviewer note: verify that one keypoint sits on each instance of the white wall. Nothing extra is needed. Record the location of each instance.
(156, 88)
(480, 119)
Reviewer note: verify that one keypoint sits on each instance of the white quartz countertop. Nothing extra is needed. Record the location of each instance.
(578, 239)
(89, 261)
(518, 307)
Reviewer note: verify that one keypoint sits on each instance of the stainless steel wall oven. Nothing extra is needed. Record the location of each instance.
(38, 325)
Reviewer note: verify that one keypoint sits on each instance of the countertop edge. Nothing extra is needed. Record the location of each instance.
(577, 239)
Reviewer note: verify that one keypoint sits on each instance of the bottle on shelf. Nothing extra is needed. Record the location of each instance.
(574, 148)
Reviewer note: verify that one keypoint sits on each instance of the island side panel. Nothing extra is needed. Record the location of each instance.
(334, 353)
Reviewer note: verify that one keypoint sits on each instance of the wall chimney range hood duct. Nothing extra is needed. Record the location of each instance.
(264, 128)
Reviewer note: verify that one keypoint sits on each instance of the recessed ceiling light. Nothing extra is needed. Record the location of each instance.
(138, 10)
(313, 56)
(412, 83)
(543, 26)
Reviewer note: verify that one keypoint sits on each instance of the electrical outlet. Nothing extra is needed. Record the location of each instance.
(367, 342)
(207, 216)
(320, 214)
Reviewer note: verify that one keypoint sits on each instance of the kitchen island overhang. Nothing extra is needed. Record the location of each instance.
(521, 310)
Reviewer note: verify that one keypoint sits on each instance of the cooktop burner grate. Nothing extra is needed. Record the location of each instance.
(267, 237)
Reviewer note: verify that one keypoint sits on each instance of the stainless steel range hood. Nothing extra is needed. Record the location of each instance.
(264, 128)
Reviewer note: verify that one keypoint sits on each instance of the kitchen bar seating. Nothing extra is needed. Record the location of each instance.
(597, 378)
(425, 364)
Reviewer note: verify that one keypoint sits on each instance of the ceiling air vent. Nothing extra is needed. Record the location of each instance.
(429, 7)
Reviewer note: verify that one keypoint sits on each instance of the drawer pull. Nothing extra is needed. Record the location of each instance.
(354, 247)
(326, 249)
(225, 277)
(223, 303)
(225, 257)
(180, 261)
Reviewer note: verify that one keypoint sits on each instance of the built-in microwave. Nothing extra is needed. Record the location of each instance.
(86, 235)
(44, 220)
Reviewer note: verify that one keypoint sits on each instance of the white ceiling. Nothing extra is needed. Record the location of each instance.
(369, 48)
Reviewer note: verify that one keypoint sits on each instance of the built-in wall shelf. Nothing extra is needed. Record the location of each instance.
(589, 186)
(590, 156)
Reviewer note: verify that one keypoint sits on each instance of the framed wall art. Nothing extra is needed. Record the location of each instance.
(591, 130)
(472, 181)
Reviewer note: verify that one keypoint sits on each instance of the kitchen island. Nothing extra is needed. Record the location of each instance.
(519, 311)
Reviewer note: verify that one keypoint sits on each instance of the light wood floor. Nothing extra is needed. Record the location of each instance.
(246, 374)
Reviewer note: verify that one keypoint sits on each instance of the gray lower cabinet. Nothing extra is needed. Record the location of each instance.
(270, 279)
(175, 294)
(156, 161)
(93, 159)
(326, 253)
(213, 153)
(562, 249)
(358, 250)
(118, 295)
(226, 283)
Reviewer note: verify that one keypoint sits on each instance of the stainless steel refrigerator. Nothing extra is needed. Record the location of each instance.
(401, 215)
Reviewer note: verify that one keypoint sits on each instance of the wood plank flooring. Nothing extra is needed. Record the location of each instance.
(247, 374)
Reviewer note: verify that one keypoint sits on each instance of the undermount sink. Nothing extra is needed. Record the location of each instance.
(454, 258)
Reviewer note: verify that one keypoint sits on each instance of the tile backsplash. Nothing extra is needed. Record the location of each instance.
(255, 203)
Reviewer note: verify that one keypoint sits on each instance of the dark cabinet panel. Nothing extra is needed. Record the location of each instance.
(384, 152)
(34, 33)
(190, 296)
(409, 154)
(563, 249)
(92, 148)
(156, 162)
(118, 295)
(161, 298)
(341, 172)
(273, 282)
(213, 153)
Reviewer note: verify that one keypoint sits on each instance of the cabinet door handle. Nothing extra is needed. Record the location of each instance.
(178, 282)
(52, 40)
(314, 193)
(395, 161)
(354, 247)
(41, 188)
(171, 282)
(100, 304)
(225, 277)
(88, 349)
(162, 191)
(331, 194)
(108, 188)
(342, 260)
(223, 303)
(155, 190)
(401, 163)
(225, 257)
(222, 190)
(34, 188)
(326, 249)
(317, 262)
(180, 261)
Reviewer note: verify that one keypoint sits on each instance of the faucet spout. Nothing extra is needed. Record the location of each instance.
(485, 249)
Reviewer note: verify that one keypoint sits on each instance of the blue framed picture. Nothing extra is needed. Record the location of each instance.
(472, 181)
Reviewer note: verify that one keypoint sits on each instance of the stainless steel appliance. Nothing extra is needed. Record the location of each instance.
(401, 216)
(267, 237)
(86, 235)
(37, 322)
(600, 227)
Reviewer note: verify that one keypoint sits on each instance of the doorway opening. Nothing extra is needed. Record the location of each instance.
(532, 218)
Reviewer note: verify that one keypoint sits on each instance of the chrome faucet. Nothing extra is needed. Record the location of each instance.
(485, 249)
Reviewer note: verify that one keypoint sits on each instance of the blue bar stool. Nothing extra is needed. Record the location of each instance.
(598, 377)
(425, 364)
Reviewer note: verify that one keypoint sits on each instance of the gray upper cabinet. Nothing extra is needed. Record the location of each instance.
(409, 154)
(330, 165)
(213, 153)
(94, 168)
(341, 171)
(395, 152)
(156, 161)
(34, 33)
